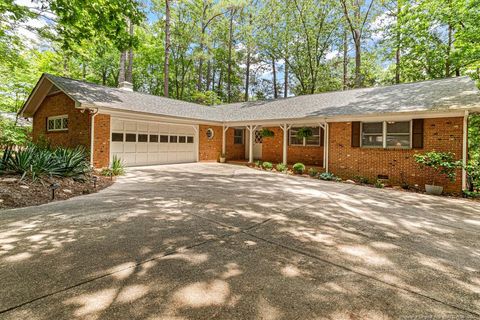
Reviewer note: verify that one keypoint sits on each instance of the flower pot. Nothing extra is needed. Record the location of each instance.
(222, 159)
(435, 190)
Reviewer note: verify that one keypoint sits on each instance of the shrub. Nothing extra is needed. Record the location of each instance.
(442, 163)
(267, 165)
(258, 163)
(281, 167)
(473, 174)
(328, 176)
(299, 168)
(362, 180)
(379, 184)
(312, 172)
(35, 162)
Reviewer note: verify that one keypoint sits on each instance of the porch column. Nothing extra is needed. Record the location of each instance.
(325, 146)
(224, 140)
(285, 129)
(464, 150)
(251, 129)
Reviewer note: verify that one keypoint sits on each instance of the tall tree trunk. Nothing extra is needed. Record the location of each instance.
(84, 71)
(121, 68)
(274, 74)
(167, 48)
(129, 72)
(209, 70)
(449, 49)
(285, 79)
(229, 70)
(202, 36)
(358, 59)
(398, 40)
(345, 59)
(247, 75)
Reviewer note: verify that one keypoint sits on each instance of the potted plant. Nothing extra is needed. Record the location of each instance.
(267, 133)
(304, 132)
(223, 158)
(442, 163)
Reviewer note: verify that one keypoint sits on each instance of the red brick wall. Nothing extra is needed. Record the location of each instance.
(443, 134)
(209, 150)
(78, 132)
(234, 151)
(272, 151)
(101, 141)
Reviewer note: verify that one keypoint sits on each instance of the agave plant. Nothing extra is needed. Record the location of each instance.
(35, 162)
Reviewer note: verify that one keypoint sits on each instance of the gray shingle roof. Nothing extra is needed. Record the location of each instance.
(114, 98)
(434, 95)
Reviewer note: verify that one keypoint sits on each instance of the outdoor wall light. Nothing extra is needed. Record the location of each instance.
(54, 186)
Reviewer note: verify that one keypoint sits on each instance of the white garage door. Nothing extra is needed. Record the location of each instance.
(144, 143)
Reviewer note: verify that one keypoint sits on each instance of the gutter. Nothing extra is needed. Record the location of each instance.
(92, 113)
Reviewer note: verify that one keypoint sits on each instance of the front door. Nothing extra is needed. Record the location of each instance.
(257, 144)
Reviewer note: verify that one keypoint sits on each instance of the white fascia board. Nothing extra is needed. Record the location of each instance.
(135, 115)
(398, 116)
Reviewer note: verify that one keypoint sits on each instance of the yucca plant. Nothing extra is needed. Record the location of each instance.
(35, 162)
(117, 166)
(72, 162)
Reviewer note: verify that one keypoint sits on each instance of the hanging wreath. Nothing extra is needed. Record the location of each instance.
(304, 132)
(266, 133)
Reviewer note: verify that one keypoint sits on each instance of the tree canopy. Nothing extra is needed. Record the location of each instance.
(236, 50)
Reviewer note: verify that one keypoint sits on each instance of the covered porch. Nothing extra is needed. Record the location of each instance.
(277, 143)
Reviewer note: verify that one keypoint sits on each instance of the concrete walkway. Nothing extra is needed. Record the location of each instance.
(212, 241)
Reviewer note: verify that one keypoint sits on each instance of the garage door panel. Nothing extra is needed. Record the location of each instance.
(129, 147)
(142, 147)
(117, 147)
(152, 143)
(130, 126)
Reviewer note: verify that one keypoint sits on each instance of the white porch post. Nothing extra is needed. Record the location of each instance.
(224, 140)
(285, 129)
(251, 129)
(464, 150)
(325, 146)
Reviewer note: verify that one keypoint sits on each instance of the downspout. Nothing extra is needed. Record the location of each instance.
(92, 133)
(464, 150)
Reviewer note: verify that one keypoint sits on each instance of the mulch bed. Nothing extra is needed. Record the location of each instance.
(15, 193)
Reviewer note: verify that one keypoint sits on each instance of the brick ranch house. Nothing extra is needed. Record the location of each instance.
(372, 132)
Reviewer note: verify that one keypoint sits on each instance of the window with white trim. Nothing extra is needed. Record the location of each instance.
(386, 134)
(314, 140)
(57, 123)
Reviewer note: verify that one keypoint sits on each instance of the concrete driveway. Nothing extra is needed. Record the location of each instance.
(212, 241)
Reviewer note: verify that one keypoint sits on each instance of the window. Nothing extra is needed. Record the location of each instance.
(117, 137)
(189, 139)
(130, 137)
(210, 133)
(154, 138)
(314, 140)
(182, 139)
(386, 134)
(143, 138)
(173, 139)
(398, 134)
(372, 134)
(238, 136)
(58, 123)
(163, 138)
